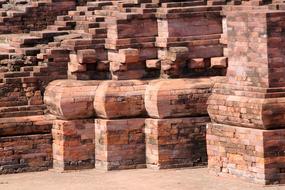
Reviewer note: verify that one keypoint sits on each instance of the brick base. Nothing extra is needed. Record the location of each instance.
(73, 144)
(251, 154)
(178, 142)
(120, 144)
(26, 153)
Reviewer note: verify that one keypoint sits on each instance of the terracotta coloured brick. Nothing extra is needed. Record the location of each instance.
(25, 153)
(117, 99)
(197, 63)
(174, 63)
(73, 144)
(177, 98)
(219, 62)
(250, 101)
(120, 144)
(74, 65)
(71, 99)
(125, 64)
(124, 28)
(27, 125)
(36, 16)
(153, 64)
(177, 142)
(247, 97)
(86, 56)
(128, 55)
(251, 154)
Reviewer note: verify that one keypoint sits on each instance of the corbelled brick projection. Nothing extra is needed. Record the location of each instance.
(129, 84)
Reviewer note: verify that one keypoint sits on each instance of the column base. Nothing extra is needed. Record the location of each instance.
(175, 143)
(251, 154)
(73, 144)
(120, 144)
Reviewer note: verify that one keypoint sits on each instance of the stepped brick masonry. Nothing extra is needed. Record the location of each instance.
(130, 84)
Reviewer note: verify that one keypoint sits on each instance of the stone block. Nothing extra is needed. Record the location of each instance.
(73, 144)
(219, 62)
(153, 64)
(119, 29)
(75, 66)
(174, 62)
(86, 56)
(129, 55)
(120, 144)
(177, 142)
(197, 63)
(177, 53)
(118, 66)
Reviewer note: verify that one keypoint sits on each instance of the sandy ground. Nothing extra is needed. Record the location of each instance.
(143, 179)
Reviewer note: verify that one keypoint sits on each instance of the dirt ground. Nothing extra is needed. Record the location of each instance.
(142, 179)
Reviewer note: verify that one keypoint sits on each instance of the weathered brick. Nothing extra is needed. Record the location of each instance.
(177, 142)
(120, 144)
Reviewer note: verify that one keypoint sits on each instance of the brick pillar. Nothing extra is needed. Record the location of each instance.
(120, 144)
(73, 144)
(176, 142)
(119, 129)
(71, 103)
(247, 110)
(176, 132)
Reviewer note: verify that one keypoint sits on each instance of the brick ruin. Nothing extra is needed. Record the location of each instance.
(132, 84)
